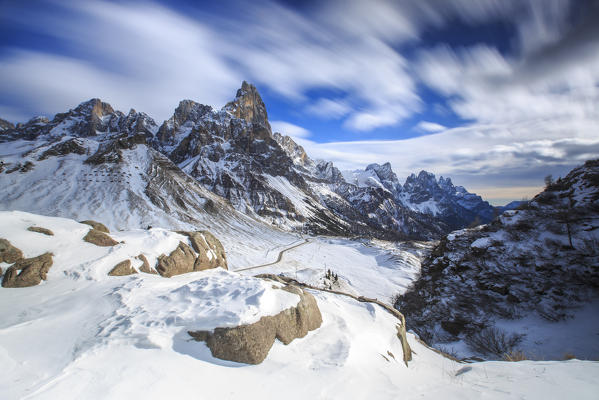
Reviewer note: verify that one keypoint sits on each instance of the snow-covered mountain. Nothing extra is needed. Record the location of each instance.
(528, 280)
(234, 154)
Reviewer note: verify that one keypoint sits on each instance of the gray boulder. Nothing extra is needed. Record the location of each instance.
(32, 271)
(251, 343)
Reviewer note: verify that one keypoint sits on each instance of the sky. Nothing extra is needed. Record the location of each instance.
(495, 94)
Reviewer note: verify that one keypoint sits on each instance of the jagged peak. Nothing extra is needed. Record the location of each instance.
(95, 107)
(248, 105)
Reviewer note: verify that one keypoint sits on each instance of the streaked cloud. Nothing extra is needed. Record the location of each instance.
(289, 129)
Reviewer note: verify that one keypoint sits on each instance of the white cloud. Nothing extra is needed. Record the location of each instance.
(289, 129)
(329, 108)
(428, 126)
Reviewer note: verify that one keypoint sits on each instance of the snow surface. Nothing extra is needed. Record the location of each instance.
(83, 334)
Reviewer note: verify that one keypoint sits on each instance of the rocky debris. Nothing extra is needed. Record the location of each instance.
(32, 271)
(39, 229)
(71, 146)
(96, 225)
(122, 269)
(180, 261)
(211, 253)
(251, 343)
(99, 238)
(145, 267)
(8, 253)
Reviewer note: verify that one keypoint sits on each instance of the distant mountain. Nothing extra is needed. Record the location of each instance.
(422, 193)
(234, 154)
(524, 281)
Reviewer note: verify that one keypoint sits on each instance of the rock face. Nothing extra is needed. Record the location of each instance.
(41, 230)
(122, 269)
(180, 261)
(96, 225)
(8, 253)
(32, 271)
(99, 238)
(251, 343)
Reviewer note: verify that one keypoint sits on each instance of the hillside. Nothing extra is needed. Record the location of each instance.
(528, 279)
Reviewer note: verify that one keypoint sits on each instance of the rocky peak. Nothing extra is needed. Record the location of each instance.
(293, 150)
(189, 110)
(327, 171)
(94, 108)
(248, 105)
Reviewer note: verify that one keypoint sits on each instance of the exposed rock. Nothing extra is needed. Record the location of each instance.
(39, 229)
(123, 268)
(180, 261)
(33, 271)
(251, 343)
(98, 238)
(8, 253)
(211, 253)
(63, 148)
(96, 225)
(146, 265)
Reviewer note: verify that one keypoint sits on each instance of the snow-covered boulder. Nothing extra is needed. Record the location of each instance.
(250, 343)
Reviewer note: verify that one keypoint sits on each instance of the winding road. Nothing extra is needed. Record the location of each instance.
(278, 258)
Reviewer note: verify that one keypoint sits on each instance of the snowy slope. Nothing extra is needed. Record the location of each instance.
(530, 277)
(83, 334)
(143, 189)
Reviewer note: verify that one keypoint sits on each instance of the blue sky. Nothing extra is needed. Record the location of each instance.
(493, 93)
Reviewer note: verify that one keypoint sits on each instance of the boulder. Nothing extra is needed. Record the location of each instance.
(32, 271)
(96, 225)
(98, 238)
(211, 253)
(123, 268)
(180, 261)
(41, 230)
(9, 253)
(146, 265)
(251, 343)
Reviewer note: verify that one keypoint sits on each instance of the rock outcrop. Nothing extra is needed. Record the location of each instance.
(180, 261)
(41, 230)
(211, 253)
(122, 269)
(98, 238)
(251, 343)
(145, 267)
(9, 253)
(96, 225)
(32, 271)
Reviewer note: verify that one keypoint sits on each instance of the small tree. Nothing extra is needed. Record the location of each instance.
(566, 214)
(548, 181)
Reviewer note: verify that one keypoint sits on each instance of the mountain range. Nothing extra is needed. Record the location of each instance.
(234, 154)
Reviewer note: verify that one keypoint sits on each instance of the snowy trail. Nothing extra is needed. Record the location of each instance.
(279, 258)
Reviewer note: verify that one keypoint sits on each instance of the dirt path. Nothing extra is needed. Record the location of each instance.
(279, 258)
